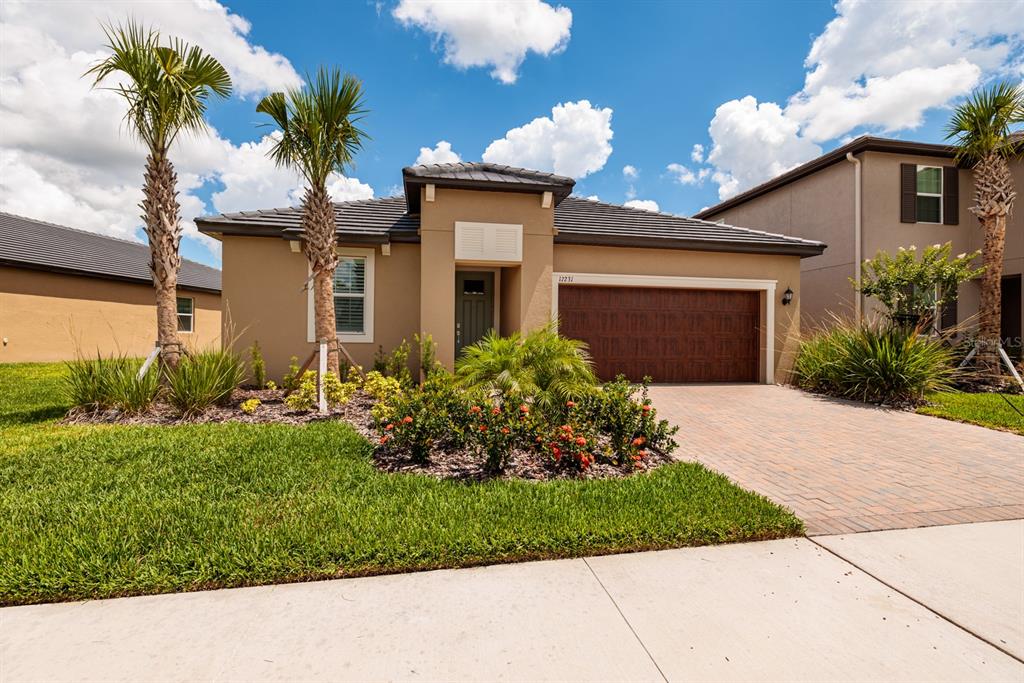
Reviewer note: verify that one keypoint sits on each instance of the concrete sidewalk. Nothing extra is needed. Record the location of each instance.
(778, 610)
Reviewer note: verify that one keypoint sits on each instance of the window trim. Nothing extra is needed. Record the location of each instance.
(369, 286)
(191, 314)
(942, 187)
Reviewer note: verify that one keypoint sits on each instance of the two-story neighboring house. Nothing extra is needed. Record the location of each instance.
(876, 193)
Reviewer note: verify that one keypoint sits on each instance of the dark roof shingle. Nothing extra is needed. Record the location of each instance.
(30, 243)
(578, 221)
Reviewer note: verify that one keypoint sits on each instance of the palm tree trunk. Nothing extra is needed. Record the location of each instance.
(321, 250)
(163, 228)
(994, 195)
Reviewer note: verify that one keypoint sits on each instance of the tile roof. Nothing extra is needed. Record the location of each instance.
(485, 172)
(578, 221)
(30, 243)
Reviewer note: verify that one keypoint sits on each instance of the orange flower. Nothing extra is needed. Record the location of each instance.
(580, 441)
(495, 410)
(407, 419)
(641, 454)
(475, 409)
(384, 439)
(388, 427)
(570, 404)
(504, 430)
(483, 428)
(647, 407)
(639, 441)
(524, 408)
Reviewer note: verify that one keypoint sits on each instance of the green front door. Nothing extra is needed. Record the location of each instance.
(474, 307)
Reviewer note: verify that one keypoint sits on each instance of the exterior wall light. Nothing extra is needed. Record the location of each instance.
(787, 297)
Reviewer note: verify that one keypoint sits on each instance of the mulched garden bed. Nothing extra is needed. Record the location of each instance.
(450, 463)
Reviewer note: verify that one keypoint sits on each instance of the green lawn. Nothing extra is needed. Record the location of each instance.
(102, 511)
(987, 410)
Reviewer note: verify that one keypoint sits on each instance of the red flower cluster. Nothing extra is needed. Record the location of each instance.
(574, 447)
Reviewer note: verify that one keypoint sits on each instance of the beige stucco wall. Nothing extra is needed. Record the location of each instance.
(525, 290)
(49, 316)
(785, 270)
(819, 207)
(264, 298)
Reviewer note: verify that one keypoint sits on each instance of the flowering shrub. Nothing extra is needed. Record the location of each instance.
(571, 446)
(249, 406)
(423, 416)
(632, 426)
(496, 429)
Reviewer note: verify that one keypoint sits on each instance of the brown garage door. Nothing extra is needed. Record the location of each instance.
(672, 335)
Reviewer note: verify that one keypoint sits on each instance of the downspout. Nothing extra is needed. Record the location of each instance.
(857, 256)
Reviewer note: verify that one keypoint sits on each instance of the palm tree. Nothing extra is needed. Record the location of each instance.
(166, 87)
(319, 136)
(981, 131)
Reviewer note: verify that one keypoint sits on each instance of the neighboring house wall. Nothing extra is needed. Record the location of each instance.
(47, 316)
(785, 270)
(819, 207)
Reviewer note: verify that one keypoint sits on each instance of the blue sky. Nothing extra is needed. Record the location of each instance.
(760, 87)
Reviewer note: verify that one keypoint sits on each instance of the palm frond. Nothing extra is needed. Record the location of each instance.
(982, 124)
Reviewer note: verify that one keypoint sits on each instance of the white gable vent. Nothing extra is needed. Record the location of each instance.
(488, 242)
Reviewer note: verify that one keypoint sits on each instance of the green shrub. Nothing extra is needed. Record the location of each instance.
(305, 397)
(542, 368)
(129, 392)
(381, 388)
(873, 362)
(259, 367)
(291, 379)
(394, 364)
(87, 382)
(249, 406)
(203, 380)
(112, 382)
(428, 354)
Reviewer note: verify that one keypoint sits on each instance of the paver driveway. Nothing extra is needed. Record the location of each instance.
(844, 466)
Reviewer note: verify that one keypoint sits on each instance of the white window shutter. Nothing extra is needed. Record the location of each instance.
(488, 242)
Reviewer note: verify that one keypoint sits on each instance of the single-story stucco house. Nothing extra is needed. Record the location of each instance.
(472, 247)
(65, 291)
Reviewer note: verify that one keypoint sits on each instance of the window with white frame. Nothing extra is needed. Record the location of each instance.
(186, 314)
(929, 194)
(353, 297)
(350, 295)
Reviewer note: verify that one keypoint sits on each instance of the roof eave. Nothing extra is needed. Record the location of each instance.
(801, 250)
(858, 146)
(43, 268)
(412, 183)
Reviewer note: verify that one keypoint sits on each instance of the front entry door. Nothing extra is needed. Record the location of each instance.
(474, 307)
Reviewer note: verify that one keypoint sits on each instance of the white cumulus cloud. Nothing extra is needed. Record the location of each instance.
(876, 66)
(498, 34)
(574, 141)
(685, 176)
(645, 204)
(65, 154)
(629, 171)
(697, 154)
(442, 153)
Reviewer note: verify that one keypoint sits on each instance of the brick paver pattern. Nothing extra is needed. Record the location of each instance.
(847, 467)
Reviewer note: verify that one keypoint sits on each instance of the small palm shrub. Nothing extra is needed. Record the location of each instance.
(542, 368)
(110, 382)
(874, 362)
(203, 380)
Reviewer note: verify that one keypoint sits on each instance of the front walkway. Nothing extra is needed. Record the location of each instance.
(777, 610)
(844, 466)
